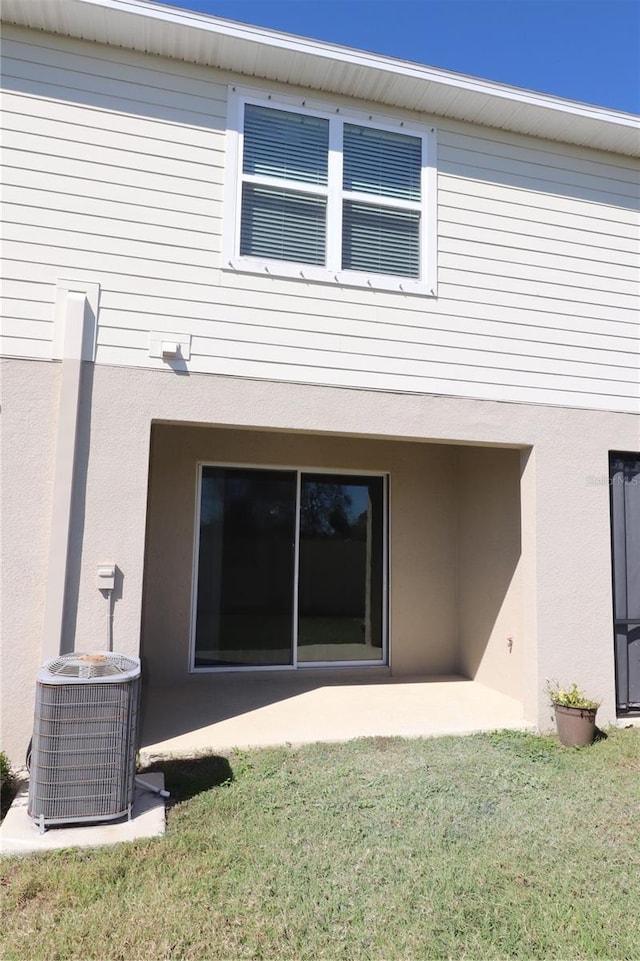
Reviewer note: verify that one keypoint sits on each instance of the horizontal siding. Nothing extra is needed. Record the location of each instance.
(299, 372)
(112, 84)
(512, 309)
(566, 235)
(16, 326)
(115, 249)
(551, 254)
(148, 182)
(162, 266)
(76, 128)
(24, 347)
(195, 164)
(543, 154)
(461, 321)
(78, 118)
(180, 257)
(96, 61)
(546, 208)
(461, 286)
(114, 166)
(66, 186)
(468, 161)
(362, 338)
(15, 307)
(69, 211)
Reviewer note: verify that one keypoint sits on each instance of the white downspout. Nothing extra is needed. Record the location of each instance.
(76, 313)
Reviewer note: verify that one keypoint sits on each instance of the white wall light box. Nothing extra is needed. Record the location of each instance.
(179, 345)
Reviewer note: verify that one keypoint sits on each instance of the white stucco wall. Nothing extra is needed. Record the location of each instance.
(422, 548)
(565, 570)
(28, 394)
(489, 566)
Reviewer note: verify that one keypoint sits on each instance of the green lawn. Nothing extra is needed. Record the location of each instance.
(492, 846)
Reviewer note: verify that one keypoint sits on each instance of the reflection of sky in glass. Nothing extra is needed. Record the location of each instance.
(359, 497)
(212, 500)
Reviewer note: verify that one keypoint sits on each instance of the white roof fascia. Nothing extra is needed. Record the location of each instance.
(272, 55)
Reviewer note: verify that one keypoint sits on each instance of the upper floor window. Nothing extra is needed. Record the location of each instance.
(330, 196)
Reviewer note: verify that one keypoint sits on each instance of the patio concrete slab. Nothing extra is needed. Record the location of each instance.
(20, 835)
(227, 711)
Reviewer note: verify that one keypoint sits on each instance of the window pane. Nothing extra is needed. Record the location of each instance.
(278, 143)
(282, 225)
(380, 241)
(382, 163)
(340, 586)
(245, 567)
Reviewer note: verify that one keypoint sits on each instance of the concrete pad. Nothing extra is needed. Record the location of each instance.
(245, 712)
(20, 835)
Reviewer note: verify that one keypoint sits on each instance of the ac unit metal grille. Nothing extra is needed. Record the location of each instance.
(84, 746)
(91, 665)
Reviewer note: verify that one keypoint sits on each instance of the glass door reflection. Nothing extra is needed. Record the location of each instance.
(244, 609)
(341, 568)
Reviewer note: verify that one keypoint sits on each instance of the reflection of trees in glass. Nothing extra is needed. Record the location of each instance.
(326, 511)
(323, 509)
(244, 503)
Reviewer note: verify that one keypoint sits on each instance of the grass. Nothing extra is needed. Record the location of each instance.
(492, 846)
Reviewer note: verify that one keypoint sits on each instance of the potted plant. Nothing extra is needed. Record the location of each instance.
(575, 714)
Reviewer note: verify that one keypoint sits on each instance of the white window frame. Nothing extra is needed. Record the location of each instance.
(332, 272)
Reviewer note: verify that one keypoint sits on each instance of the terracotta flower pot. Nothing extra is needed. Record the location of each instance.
(576, 725)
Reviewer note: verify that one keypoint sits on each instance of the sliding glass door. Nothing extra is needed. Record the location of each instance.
(340, 575)
(291, 569)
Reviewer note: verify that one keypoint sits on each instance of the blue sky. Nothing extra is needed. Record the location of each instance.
(581, 49)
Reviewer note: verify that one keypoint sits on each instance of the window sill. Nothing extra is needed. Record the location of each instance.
(342, 278)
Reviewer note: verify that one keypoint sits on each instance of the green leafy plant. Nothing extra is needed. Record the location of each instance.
(570, 697)
(5, 770)
(7, 784)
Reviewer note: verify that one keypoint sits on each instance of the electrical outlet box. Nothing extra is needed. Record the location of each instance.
(106, 577)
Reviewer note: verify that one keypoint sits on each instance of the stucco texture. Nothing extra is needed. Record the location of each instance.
(29, 397)
(431, 584)
(499, 520)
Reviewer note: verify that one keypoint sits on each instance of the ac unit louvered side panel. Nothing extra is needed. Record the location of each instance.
(84, 749)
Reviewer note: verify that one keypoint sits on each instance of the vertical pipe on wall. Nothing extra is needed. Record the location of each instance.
(74, 317)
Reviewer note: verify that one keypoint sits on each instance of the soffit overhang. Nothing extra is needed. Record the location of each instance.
(270, 55)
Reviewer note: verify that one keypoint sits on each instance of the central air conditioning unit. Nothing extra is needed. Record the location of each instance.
(85, 736)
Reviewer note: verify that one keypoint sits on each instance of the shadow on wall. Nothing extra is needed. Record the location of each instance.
(79, 500)
(70, 641)
(489, 549)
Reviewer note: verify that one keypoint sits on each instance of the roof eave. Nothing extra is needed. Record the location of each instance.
(271, 55)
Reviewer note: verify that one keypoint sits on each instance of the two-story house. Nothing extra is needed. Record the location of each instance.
(333, 357)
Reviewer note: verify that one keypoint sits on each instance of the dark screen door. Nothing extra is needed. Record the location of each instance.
(625, 533)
